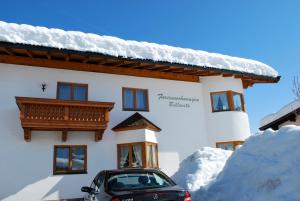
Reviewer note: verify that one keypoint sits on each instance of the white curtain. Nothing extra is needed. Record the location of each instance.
(124, 156)
(154, 151)
(137, 155)
(149, 155)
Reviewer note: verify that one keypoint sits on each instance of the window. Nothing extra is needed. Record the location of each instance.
(227, 101)
(72, 91)
(70, 159)
(137, 155)
(130, 181)
(135, 99)
(238, 102)
(230, 145)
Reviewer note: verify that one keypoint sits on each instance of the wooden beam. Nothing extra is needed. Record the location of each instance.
(227, 75)
(27, 134)
(64, 135)
(238, 76)
(28, 52)
(48, 55)
(98, 135)
(68, 57)
(95, 68)
(86, 59)
(209, 74)
(8, 51)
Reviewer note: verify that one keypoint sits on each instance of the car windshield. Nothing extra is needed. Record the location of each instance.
(135, 181)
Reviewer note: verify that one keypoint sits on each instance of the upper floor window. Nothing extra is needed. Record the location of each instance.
(135, 99)
(72, 91)
(70, 159)
(137, 155)
(227, 101)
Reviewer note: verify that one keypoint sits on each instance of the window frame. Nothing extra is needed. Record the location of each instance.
(134, 90)
(230, 101)
(234, 143)
(144, 154)
(69, 171)
(72, 85)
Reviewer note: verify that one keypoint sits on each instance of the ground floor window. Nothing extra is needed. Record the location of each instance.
(70, 159)
(230, 145)
(137, 155)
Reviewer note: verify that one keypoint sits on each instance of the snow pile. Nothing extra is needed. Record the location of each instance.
(283, 111)
(74, 40)
(200, 168)
(266, 167)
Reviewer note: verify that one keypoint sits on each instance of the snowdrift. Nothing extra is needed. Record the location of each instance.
(200, 168)
(265, 168)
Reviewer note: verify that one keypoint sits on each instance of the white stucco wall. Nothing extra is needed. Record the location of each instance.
(224, 126)
(26, 167)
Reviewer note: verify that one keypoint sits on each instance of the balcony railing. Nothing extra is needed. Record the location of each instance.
(63, 115)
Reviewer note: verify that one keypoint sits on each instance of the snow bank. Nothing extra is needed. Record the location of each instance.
(74, 40)
(266, 167)
(200, 168)
(283, 111)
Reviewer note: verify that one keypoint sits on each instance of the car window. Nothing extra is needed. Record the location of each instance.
(133, 181)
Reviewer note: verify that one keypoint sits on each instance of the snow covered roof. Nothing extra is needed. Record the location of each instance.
(291, 107)
(113, 46)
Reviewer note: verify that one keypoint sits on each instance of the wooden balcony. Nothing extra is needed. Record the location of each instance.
(63, 115)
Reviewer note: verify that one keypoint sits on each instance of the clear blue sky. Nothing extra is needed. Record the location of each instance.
(265, 30)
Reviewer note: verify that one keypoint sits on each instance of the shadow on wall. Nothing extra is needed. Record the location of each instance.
(26, 167)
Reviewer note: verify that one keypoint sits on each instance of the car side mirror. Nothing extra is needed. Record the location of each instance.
(87, 189)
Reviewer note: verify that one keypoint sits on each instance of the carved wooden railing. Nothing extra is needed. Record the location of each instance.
(63, 115)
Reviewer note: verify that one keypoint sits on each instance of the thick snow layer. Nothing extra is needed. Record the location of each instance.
(200, 168)
(266, 167)
(74, 40)
(283, 111)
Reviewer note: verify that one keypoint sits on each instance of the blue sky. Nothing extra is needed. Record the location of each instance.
(265, 30)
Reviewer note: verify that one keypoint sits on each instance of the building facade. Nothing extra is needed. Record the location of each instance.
(66, 115)
(287, 115)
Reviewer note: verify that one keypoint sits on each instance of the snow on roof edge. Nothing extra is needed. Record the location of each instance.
(113, 46)
(290, 107)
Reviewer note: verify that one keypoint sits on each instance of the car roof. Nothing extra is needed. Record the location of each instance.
(125, 170)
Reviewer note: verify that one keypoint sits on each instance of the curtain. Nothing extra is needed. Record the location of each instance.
(124, 156)
(149, 155)
(237, 102)
(141, 100)
(79, 93)
(137, 156)
(64, 92)
(220, 102)
(154, 151)
(128, 99)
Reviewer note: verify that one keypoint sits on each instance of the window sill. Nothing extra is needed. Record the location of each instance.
(69, 173)
(228, 111)
(132, 110)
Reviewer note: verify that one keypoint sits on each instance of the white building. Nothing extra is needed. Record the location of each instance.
(73, 104)
(287, 115)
